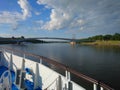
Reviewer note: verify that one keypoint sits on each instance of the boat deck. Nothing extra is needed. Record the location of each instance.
(33, 75)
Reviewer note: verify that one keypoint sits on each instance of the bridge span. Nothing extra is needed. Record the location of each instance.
(69, 39)
(22, 39)
(72, 41)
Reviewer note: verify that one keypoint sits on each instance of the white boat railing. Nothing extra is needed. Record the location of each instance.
(97, 85)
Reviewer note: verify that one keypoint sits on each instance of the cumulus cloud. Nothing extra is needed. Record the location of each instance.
(12, 18)
(82, 14)
(62, 14)
(9, 17)
(5, 35)
(26, 9)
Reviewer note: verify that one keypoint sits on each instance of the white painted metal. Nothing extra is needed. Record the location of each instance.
(94, 87)
(47, 77)
(11, 61)
(36, 77)
(101, 88)
(41, 61)
(67, 75)
(22, 70)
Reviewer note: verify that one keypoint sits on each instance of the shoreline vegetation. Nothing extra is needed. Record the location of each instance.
(101, 40)
(102, 43)
(18, 40)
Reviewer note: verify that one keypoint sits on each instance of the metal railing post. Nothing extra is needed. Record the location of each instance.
(40, 61)
(23, 63)
(22, 74)
(94, 87)
(67, 75)
(59, 83)
(101, 88)
(11, 61)
(36, 77)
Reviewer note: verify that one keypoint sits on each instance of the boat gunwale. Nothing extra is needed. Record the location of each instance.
(62, 66)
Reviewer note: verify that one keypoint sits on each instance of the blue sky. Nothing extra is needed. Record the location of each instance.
(59, 18)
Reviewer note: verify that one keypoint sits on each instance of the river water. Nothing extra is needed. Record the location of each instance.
(98, 62)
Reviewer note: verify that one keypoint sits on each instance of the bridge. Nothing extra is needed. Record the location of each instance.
(72, 41)
(22, 39)
(68, 39)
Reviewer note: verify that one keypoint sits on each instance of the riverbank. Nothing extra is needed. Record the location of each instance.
(102, 43)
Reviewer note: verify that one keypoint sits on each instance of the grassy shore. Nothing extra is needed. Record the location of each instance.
(103, 43)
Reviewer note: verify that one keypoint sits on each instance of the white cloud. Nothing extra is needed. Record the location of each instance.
(5, 35)
(26, 9)
(9, 17)
(67, 14)
(81, 15)
(62, 14)
(57, 21)
(12, 18)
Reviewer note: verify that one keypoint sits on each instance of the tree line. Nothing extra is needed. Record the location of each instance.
(116, 36)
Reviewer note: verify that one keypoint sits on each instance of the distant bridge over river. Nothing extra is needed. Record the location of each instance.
(22, 39)
(68, 39)
(72, 41)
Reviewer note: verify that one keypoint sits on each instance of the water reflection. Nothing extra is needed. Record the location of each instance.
(114, 49)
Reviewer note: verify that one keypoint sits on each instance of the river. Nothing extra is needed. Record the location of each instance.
(98, 62)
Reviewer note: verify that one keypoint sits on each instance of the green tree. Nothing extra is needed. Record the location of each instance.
(22, 37)
(13, 37)
(116, 36)
(107, 37)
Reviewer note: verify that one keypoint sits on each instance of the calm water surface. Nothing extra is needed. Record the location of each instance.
(101, 63)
